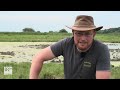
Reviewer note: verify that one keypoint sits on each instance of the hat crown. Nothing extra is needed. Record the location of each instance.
(84, 20)
(84, 23)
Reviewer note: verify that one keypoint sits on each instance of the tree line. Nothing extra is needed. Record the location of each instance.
(110, 30)
(32, 30)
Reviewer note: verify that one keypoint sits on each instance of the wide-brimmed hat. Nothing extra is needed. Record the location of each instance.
(84, 23)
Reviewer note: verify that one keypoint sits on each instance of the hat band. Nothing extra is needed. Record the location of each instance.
(84, 26)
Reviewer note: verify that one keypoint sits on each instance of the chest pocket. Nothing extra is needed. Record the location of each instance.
(88, 68)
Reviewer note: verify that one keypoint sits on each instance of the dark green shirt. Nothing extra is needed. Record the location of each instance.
(82, 65)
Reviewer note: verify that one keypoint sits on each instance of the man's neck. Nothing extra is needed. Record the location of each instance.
(85, 49)
(82, 50)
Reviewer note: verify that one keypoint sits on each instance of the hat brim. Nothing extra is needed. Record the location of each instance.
(85, 29)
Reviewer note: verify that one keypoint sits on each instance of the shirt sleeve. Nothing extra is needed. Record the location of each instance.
(58, 47)
(103, 62)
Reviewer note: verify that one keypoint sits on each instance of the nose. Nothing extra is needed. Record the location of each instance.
(83, 37)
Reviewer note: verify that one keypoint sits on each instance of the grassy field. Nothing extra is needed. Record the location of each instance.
(111, 37)
(33, 37)
(49, 71)
(21, 71)
(52, 37)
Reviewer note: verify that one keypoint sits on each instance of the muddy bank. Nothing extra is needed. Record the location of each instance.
(24, 51)
(20, 51)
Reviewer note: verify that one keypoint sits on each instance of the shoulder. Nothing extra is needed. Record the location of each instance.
(63, 43)
(67, 40)
(59, 47)
(100, 47)
(99, 44)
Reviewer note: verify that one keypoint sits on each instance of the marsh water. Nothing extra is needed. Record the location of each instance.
(114, 49)
(24, 51)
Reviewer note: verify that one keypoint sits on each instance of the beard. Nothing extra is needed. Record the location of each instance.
(83, 46)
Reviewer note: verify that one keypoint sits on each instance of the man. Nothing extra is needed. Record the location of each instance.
(84, 57)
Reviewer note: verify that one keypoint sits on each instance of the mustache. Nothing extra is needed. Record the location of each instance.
(82, 41)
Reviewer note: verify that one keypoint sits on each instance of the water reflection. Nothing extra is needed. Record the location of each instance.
(114, 49)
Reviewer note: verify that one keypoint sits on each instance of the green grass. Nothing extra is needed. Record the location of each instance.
(19, 70)
(52, 71)
(110, 37)
(49, 71)
(115, 73)
(33, 37)
(52, 37)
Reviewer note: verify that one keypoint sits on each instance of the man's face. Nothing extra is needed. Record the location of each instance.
(83, 39)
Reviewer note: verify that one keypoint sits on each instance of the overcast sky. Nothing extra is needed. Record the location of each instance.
(44, 21)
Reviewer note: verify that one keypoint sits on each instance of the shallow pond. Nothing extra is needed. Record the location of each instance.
(24, 51)
(114, 50)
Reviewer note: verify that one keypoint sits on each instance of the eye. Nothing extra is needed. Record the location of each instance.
(88, 33)
(79, 33)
